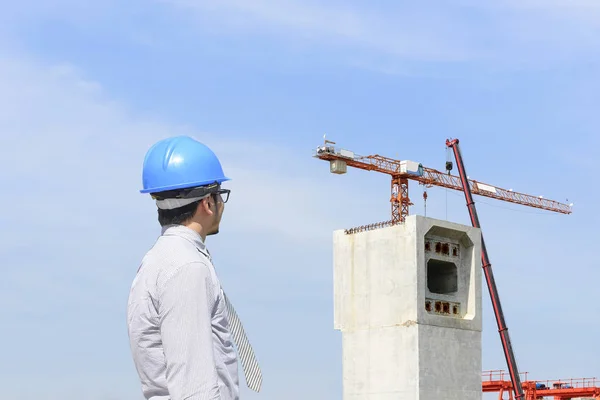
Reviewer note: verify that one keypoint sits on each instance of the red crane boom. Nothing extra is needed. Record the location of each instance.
(489, 276)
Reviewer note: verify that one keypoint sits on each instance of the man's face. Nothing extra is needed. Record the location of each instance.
(218, 206)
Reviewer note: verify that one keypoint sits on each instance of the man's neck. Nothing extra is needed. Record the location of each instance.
(196, 227)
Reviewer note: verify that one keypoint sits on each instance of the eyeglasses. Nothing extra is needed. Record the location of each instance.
(224, 193)
(201, 191)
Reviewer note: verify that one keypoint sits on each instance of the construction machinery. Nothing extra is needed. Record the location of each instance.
(403, 171)
(489, 276)
(558, 389)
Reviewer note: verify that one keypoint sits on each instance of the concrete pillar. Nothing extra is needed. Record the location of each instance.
(407, 300)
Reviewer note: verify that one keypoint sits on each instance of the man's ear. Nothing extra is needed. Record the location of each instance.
(205, 206)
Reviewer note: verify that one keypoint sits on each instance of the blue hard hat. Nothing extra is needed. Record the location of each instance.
(180, 162)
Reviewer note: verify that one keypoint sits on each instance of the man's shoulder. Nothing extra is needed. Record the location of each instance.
(175, 250)
(170, 255)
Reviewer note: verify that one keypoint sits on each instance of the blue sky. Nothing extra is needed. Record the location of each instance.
(86, 89)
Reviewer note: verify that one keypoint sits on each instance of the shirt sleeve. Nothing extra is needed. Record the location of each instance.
(185, 305)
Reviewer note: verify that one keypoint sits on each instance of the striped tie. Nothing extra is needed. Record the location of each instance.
(249, 363)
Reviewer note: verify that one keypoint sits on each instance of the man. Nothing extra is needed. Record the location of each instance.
(181, 325)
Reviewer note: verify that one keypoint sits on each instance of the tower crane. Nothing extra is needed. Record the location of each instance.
(402, 171)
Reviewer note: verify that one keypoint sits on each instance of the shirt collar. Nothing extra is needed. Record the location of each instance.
(186, 233)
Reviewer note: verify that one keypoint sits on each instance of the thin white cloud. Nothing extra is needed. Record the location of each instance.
(544, 4)
(70, 144)
(547, 29)
(503, 35)
(73, 159)
(410, 33)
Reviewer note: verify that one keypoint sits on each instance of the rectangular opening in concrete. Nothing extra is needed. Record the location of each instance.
(442, 277)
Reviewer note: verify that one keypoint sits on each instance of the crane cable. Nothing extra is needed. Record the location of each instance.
(448, 169)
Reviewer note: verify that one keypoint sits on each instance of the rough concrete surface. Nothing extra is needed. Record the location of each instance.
(407, 300)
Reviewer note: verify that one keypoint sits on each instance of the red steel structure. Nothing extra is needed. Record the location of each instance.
(397, 169)
(489, 276)
(561, 389)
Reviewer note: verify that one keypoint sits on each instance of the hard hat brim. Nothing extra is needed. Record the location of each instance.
(183, 185)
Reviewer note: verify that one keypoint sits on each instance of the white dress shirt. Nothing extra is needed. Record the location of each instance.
(177, 322)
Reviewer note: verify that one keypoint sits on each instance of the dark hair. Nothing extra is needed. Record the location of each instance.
(178, 215)
(183, 214)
